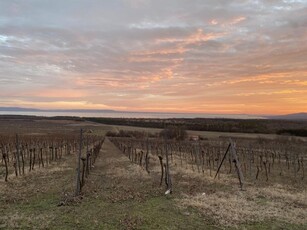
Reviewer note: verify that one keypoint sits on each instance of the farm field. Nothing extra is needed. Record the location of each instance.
(124, 190)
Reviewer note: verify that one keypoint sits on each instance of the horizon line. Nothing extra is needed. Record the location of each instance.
(31, 109)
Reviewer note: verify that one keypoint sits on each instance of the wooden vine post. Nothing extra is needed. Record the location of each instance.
(168, 179)
(17, 156)
(78, 184)
(4, 155)
(147, 156)
(162, 169)
(237, 164)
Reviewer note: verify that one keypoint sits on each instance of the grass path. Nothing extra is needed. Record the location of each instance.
(131, 199)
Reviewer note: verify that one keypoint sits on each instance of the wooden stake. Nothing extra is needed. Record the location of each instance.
(77, 192)
(237, 164)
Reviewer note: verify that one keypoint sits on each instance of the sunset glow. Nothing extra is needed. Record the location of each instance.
(201, 56)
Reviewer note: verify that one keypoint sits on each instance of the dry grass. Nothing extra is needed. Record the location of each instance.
(13, 221)
(121, 169)
(222, 201)
(232, 208)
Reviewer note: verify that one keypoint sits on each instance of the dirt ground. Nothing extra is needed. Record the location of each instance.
(121, 195)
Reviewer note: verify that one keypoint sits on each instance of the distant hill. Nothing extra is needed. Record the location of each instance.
(290, 117)
(18, 109)
(294, 116)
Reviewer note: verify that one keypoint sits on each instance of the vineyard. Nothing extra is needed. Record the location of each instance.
(254, 170)
(75, 176)
(264, 160)
(23, 154)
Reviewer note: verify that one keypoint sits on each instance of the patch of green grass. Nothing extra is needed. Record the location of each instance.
(161, 213)
(261, 200)
(153, 213)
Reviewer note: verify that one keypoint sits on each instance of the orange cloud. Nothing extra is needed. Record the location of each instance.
(57, 104)
(269, 93)
(237, 20)
(194, 38)
(61, 93)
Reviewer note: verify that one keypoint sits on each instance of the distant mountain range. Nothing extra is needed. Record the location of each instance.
(294, 116)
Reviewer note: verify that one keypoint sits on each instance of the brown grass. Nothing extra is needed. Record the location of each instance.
(232, 208)
(222, 200)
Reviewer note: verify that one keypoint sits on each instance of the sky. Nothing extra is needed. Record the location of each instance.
(193, 56)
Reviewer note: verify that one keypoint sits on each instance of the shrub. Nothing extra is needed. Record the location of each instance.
(174, 132)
